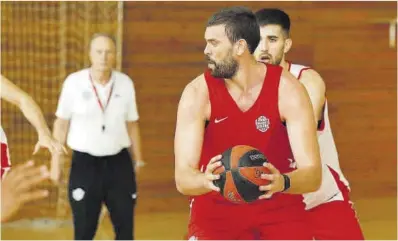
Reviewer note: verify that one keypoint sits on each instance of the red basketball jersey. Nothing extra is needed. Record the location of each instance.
(260, 127)
(5, 156)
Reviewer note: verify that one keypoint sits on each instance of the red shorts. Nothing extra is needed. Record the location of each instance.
(287, 223)
(335, 220)
(296, 231)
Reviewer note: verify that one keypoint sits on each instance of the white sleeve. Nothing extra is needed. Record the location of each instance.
(65, 102)
(132, 112)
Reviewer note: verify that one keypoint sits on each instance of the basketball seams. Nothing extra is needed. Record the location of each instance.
(240, 174)
(225, 156)
(221, 182)
(248, 190)
(237, 153)
(230, 187)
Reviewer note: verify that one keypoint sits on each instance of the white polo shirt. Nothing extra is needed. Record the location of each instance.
(79, 104)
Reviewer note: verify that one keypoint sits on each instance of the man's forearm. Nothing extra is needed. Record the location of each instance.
(304, 180)
(60, 131)
(135, 138)
(191, 182)
(34, 115)
(13, 94)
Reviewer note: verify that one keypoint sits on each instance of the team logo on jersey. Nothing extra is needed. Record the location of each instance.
(262, 123)
(219, 120)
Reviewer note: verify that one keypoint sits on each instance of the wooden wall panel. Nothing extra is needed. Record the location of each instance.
(361, 81)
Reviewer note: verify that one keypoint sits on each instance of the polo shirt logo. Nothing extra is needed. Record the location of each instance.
(78, 194)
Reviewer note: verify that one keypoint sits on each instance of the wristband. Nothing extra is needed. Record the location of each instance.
(286, 179)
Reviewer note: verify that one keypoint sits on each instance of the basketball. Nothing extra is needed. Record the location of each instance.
(240, 174)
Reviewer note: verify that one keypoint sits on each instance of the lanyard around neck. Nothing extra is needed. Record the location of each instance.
(103, 108)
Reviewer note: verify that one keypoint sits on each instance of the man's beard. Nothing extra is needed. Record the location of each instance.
(226, 70)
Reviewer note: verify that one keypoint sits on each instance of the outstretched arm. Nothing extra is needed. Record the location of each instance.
(13, 94)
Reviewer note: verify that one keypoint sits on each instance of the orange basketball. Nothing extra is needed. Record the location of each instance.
(240, 174)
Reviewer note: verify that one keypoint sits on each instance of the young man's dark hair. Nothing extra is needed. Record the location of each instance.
(268, 16)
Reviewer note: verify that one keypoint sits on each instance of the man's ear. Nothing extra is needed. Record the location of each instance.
(288, 45)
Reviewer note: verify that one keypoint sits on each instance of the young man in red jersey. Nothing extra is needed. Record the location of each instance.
(329, 210)
(245, 103)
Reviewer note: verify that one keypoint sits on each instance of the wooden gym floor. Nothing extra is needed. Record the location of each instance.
(163, 214)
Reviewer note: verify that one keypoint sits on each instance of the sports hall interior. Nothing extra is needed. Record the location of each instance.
(160, 46)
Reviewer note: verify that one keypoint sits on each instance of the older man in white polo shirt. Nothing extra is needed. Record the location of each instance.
(97, 114)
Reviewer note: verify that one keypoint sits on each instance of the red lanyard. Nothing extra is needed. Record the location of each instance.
(98, 99)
